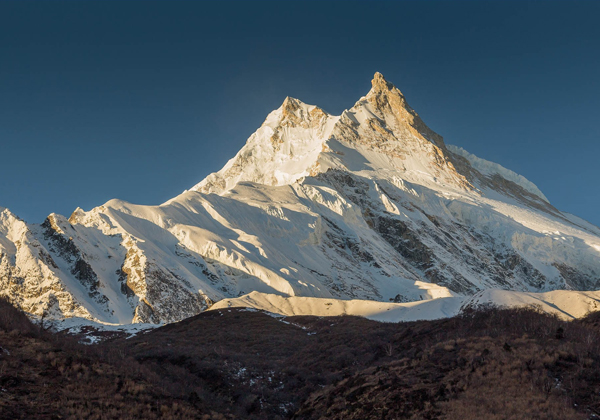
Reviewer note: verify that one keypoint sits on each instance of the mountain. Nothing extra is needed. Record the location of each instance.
(370, 205)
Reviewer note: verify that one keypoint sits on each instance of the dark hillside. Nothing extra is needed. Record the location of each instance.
(50, 376)
(503, 363)
(493, 364)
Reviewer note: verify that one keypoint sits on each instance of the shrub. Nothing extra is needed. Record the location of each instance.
(13, 319)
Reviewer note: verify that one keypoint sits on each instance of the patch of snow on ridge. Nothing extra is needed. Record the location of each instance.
(92, 332)
(377, 311)
(566, 304)
(490, 168)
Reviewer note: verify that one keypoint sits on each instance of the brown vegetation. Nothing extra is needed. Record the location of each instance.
(51, 376)
(493, 364)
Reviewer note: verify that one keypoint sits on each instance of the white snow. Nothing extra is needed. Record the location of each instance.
(378, 311)
(490, 168)
(279, 152)
(94, 331)
(565, 304)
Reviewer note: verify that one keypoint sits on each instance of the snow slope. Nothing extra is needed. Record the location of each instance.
(565, 304)
(368, 205)
(490, 169)
(377, 311)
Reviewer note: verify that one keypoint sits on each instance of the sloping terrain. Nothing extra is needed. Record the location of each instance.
(232, 363)
(49, 376)
(368, 205)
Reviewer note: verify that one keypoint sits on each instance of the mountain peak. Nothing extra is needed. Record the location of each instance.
(380, 83)
(386, 97)
(291, 142)
(285, 148)
(293, 111)
(291, 104)
(387, 100)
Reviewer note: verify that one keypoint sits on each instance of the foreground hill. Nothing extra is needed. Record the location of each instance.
(232, 363)
(370, 205)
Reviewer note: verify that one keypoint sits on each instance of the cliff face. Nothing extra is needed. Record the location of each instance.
(371, 204)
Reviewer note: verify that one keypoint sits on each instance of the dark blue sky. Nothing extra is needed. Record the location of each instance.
(141, 100)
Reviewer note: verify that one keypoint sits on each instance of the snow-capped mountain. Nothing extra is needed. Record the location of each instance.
(371, 205)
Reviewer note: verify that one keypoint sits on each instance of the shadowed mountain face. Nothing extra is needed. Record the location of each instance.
(371, 204)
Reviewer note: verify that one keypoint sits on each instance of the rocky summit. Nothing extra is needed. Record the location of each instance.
(370, 204)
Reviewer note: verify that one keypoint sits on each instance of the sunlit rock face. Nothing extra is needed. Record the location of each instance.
(371, 204)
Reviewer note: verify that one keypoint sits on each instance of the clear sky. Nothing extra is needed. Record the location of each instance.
(141, 100)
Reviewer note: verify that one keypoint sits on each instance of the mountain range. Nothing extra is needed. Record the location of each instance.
(368, 205)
